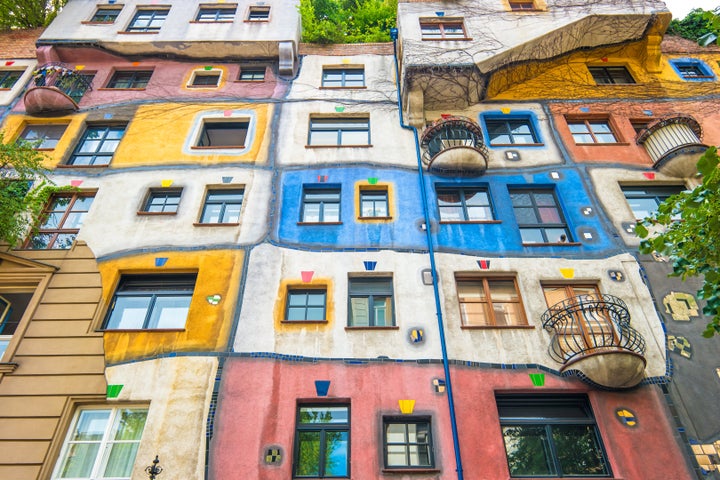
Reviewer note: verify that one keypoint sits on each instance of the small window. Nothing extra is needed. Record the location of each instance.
(610, 75)
(464, 204)
(446, 29)
(644, 200)
(8, 78)
(61, 221)
(511, 131)
(12, 308)
(97, 145)
(539, 216)
(202, 78)
(258, 14)
(407, 443)
(306, 305)
(639, 125)
(216, 14)
(489, 301)
(339, 131)
(591, 131)
(130, 79)
(223, 134)
(343, 77)
(371, 302)
(322, 441)
(252, 74)
(43, 136)
(693, 70)
(151, 302)
(148, 20)
(162, 201)
(222, 205)
(374, 203)
(520, 6)
(105, 15)
(321, 204)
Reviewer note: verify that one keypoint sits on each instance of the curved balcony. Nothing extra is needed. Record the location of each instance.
(57, 89)
(454, 145)
(592, 334)
(674, 145)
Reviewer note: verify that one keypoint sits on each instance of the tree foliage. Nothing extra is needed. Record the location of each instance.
(686, 228)
(702, 26)
(347, 21)
(16, 14)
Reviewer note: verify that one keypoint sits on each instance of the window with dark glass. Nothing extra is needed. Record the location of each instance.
(61, 221)
(43, 136)
(13, 303)
(148, 20)
(322, 441)
(517, 6)
(306, 305)
(216, 14)
(343, 77)
(407, 443)
(371, 302)
(591, 131)
(692, 69)
(222, 205)
(97, 145)
(130, 79)
(336, 131)
(489, 301)
(258, 14)
(105, 15)
(151, 302)
(252, 74)
(539, 216)
(644, 200)
(551, 436)
(446, 29)
(222, 134)
(162, 200)
(205, 79)
(610, 75)
(511, 131)
(8, 78)
(321, 205)
(374, 203)
(464, 204)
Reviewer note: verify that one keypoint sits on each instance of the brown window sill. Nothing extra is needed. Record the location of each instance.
(516, 145)
(198, 224)
(372, 327)
(303, 322)
(319, 223)
(616, 144)
(343, 88)
(368, 145)
(497, 327)
(374, 218)
(156, 214)
(210, 21)
(131, 32)
(457, 222)
(122, 89)
(249, 81)
(411, 470)
(257, 21)
(207, 87)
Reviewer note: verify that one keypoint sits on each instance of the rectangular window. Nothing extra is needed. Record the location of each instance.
(151, 302)
(610, 75)
(105, 15)
(539, 216)
(97, 145)
(551, 436)
(339, 131)
(162, 200)
(221, 134)
(222, 205)
(305, 305)
(130, 79)
(371, 302)
(464, 204)
(692, 69)
(644, 200)
(45, 137)
(216, 14)
(252, 74)
(446, 29)
(343, 77)
(407, 442)
(12, 308)
(511, 131)
(258, 14)
(8, 78)
(591, 131)
(374, 203)
(322, 442)
(321, 205)
(61, 221)
(489, 301)
(148, 20)
(519, 6)
(205, 79)
(101, 443)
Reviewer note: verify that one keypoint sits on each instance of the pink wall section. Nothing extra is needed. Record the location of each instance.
(258, 400)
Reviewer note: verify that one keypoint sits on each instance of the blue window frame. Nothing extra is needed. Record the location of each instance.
(519, 129)
(692, 70)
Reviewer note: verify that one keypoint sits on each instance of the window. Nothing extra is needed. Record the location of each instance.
(97, 145)
(205, 79)
(692, 70)
(151, 302)
(44, 137)
(101, 443)
(8, 78)
(445, 29)
(374, 203)
(162, 201)
(148, 20)
(343, 77)
(610, 75)
(407, 442)
(105, 15)
(591, 131)
(551, 436)
(322, 441)
(12, 308)
(321, 204)
(339, 131)
(511, 131)
(371, 302)
(464, 204)
(130, 79)
(223, 134)
(222, 205)
(258, 14)
(489, 301)
(61, 222)
(539, 216)
(644, 200)
(305, 305)
(216, 14)
(252, 74)
(518, 6)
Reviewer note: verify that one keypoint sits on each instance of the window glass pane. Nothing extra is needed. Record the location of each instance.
(121, 460)
(502, 290)
(336, 453)
(331, 212)
(91, 425)
(359, 312)
(479, 213)
(308, 463)
(130, 424)
(129, 312)
(549, 215)
(578, 450)
(79, 460)
(63, 241)
(382, 311)
(355, 137)
(526, 216)
(531, 235)
(395, 433)
(331, 415)
(311, 212)
(211, 214)
(528, 451)
(169, 312)
(556, 235)
(474, 313)
(397, 455)
(323, 137)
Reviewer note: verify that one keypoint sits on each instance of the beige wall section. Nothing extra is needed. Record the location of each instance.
(53, 355)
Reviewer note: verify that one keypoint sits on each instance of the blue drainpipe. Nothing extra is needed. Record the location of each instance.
(431, 253)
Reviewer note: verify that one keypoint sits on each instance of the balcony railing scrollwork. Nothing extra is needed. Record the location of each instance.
(57, 88)
(453, 145)
(674, 144)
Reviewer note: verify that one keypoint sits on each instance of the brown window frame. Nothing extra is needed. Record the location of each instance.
(489, 311)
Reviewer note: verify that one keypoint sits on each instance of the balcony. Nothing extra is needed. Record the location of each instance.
(674, 145)
(592, 334)
(57, 89)
(454, 145)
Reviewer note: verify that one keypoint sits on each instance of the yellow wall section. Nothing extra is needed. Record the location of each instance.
(15, 124)
(207, 327)
(281, 304)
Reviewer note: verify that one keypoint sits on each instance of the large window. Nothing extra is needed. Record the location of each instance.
(343, 77)
(322, 442)
(644, 200)
(148, 20)
(101, 443)
(445, 29)
(222, 134)
(610, 75)
(371, 302)
(162, 201)
(321, 204)
(222, 205)
(374, 203)
(407, 443)
(551, 436)
(61, 221)
(43, 136)
(511, 131)
(97, 145)
(130, 79)
(306, 305)
(216, 13)
(8, 78)
(591, 131)
(339, 131)
(489, 301)
(151, 302)
(464, 204)
(539, 216)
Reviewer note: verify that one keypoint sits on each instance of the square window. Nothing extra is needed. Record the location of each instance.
(12, 308)
(464, 204)
(511, 131)
(130, 79)
(105, 15)
(148, 20)
(101, 443)
(203, 78)
(8, 78)
(343, 77)
(591, 131)
(322, 441)
(407, 442)
(489, 301)
(43, 136)
(222, 205)
(223, 134)
(306, 305)
(321, 204)
(445, 29)
(374, 203)
(162, 201)
(539, 216)
(644, 200)
(151, 302)
(371, 302)
(61, 221)
(551, 436)
(252, 74)
(693, 70)
(97, 145)
(258, 14)
(339, 131)
(216, 14)
(519, 6)
(611, 75)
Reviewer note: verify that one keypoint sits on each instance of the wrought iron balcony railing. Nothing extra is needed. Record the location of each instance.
(673, 143)
(56, 88)
(454, 145)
